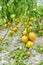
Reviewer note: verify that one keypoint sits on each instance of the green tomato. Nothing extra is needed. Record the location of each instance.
(13, 16)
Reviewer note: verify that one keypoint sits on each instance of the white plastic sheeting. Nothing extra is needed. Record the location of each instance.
(39, 0)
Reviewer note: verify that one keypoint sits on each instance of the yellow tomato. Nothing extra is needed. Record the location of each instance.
(1, 38)
(31, 19)
(17, 21)
(32, 36)
(29, 44)
(24, 32)
(11, 33)
(30, 23)
(24, 39)
(5, 25)
(28, 53)
(15, 29)
(30, 28)
(9, 24)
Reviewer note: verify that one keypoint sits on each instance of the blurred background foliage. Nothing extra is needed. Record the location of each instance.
(10, 9)
(17, 8)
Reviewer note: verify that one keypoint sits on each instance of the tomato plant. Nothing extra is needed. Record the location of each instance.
(24, 19)
(41, 63)
(39, 49)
